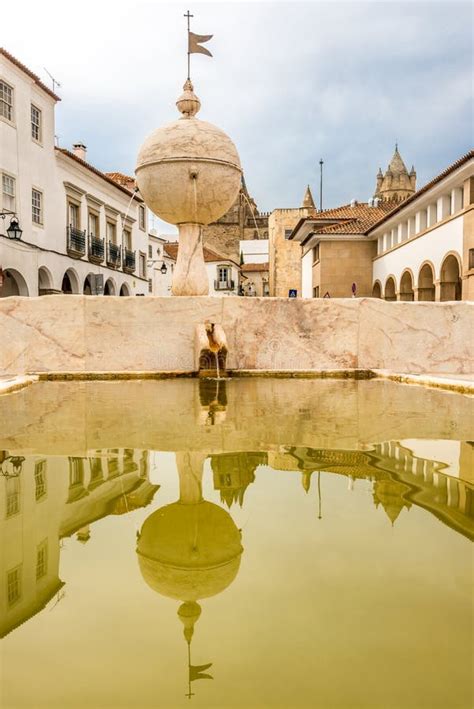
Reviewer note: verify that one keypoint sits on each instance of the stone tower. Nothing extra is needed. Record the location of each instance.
(308, 201)
(397, 183)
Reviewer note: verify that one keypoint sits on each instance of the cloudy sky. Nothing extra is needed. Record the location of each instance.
(290, 82)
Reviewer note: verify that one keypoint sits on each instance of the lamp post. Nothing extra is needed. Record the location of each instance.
(14, 231)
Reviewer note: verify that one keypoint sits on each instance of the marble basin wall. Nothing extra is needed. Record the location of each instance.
(72, 333)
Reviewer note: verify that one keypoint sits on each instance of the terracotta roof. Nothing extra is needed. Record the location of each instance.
(29, 73)
(350, 220)
(103, 175)
(171, 250)
(255, 267)
(120, 178)
(451, 168)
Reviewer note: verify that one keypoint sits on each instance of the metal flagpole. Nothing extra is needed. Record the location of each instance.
(188, 15)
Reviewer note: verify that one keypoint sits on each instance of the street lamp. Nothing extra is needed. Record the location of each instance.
(14, 231)
(164, 267)
(16, 462)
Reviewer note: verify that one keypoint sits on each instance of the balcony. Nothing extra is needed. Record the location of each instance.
(114, 255)
(224, 285)
(76, 242)
(129, 260)
(96, 249)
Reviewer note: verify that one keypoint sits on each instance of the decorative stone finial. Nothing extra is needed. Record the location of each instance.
(188, 103)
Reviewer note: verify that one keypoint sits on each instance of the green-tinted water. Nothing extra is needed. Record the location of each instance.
(251, 543)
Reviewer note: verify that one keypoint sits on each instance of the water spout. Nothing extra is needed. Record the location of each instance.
(210, 350)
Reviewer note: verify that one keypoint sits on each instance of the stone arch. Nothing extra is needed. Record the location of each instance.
(390, 291)
(13, 284)
(45, 281)
(109, 287)
(125, 289)
(450, 277)
(406, 286)
(70, 282)
(87, 287)
(426, 287)
(377, 290)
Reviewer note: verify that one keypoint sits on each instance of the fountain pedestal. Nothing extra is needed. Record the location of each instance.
(190, 275)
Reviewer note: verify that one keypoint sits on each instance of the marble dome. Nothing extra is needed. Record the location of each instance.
(188, 171)
(189, 551)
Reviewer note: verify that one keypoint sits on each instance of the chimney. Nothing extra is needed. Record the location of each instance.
(80, 151)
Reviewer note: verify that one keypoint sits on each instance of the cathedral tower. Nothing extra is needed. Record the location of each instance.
(397, 184)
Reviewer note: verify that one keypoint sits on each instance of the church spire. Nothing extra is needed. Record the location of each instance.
(308, 201)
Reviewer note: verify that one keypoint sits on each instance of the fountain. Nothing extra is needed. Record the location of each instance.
(188, 172)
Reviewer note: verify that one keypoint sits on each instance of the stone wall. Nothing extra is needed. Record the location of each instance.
(67, 333)
(343, 263)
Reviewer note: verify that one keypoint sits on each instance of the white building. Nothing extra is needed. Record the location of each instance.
(425, 247)
(160, 266)
(420, 248)
(222, 272)
(84, 231)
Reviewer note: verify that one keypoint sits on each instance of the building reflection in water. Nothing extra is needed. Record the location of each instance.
(189, 550)
(48, 499)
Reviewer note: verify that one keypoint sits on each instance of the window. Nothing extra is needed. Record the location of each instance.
(93, 220)
(8, 193)
(14, 585)
(142, 265)
(127, 239)
(74, 215)
(112, 232)
(6, 101)
(35, 123)
(42, 559)
(40, 479)
(36, 206)
(288, 233)
(96, 469)
(141, 216)
(76, 471)
(150, 285)
(150, 251)
(12, 496)
(223, 274)
(316, 253)
(316, 292)
(471, 258)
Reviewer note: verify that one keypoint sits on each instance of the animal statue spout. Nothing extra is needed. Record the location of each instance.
(210, 350)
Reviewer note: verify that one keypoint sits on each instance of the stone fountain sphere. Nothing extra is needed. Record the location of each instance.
(188, 172)
(189, 552)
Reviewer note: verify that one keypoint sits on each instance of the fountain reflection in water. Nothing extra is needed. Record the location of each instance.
(259, 476)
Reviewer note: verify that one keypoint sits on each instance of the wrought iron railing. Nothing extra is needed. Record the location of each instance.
(76, 242)
(96, 249)
(129, 260)
(224, 285)
(114, 255)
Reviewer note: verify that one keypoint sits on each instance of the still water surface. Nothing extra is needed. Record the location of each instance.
(244, 544)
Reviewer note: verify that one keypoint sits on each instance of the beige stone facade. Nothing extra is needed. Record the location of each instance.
(285, 254)
(339, 264)
(242, 221)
